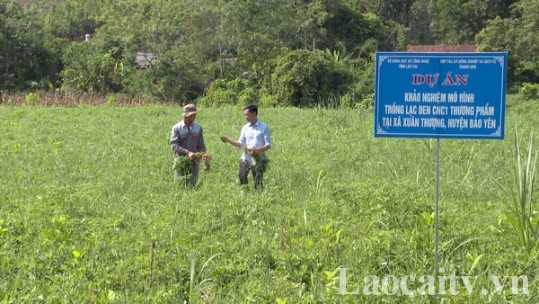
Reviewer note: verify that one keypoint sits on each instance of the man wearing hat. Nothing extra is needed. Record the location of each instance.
(187, 142)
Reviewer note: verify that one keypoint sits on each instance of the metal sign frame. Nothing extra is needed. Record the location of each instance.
(440, 95)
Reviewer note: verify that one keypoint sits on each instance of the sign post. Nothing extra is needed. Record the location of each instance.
(440, 95)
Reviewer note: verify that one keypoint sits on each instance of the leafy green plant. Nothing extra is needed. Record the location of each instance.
(367, 102)
(197, 279)
(111, 101)
(31, 99)
(3, 227)
(529, 90)
(521, 210)
(222, 92)
(305, 78)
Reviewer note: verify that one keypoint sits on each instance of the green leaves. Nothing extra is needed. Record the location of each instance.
(3, 227)
(305, 78)
(516, 33)
(522, 210)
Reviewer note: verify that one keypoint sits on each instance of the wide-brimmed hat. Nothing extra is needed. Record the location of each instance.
(189, 110)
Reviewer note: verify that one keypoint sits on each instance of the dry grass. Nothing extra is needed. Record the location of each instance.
(74, 99)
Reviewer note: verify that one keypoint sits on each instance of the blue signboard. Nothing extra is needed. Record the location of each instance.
(451, 95)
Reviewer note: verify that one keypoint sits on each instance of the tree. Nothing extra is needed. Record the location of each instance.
(26, 62)
(517, 35)
(98, 65)
(196, 42)
(307, 78)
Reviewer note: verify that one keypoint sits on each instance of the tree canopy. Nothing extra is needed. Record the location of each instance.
(282, 52)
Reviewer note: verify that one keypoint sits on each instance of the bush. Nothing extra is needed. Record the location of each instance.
(367, 102)
(177, 77)
(94, 66)
(31, 99)
(529, 91)
(522, 228)
(222, 92)
(307, 78)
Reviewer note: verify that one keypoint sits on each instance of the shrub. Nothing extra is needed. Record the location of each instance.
(521, 212)
(31, 99)
(529, 91)
(93, 67)
(222, 92)
(307, 78)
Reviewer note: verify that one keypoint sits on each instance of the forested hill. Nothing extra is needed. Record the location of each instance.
(275, 52)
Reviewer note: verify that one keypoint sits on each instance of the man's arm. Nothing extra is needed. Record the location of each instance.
(227, 139)
(267, 142)
(176, 147)
(175, 143)
(201, 146)
(264, 148)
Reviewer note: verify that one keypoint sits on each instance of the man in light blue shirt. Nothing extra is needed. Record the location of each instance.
(255, 141)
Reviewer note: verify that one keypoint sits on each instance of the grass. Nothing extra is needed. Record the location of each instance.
(90, 212)
(521, 208)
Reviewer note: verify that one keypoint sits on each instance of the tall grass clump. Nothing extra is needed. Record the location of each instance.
(521, 210)
(31, 99)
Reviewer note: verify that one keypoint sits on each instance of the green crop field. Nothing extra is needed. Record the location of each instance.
(90, 212)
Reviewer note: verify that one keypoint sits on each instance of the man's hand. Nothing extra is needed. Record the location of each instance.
(206, 157)
(225, 139)
(191, 155)
(251, 151)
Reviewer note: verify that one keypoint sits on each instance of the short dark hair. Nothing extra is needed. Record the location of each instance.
(252, 108)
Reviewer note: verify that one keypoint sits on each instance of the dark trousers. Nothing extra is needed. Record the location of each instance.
(243, 172)
(188, 173)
